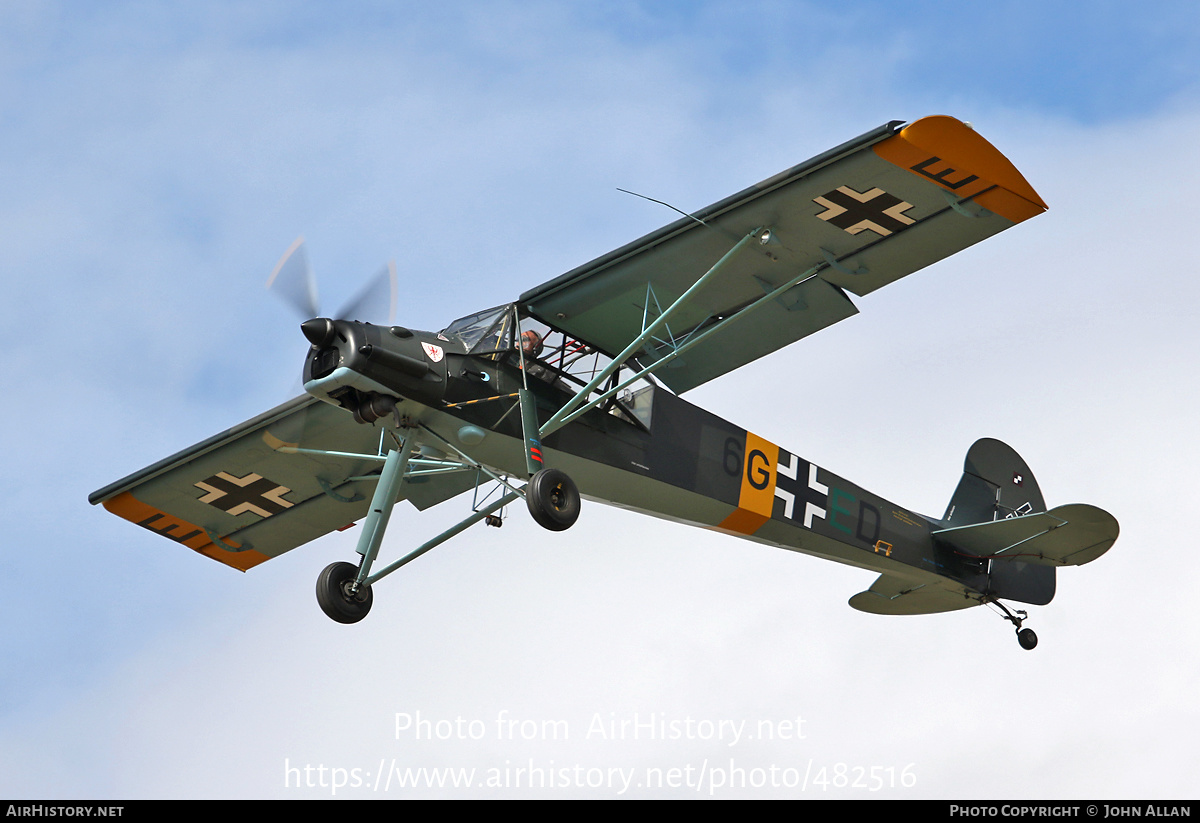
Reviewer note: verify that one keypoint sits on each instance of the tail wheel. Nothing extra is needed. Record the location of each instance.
(337, 597)
(1025, 637)
(553, 500)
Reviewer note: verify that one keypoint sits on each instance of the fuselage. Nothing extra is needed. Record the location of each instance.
(649, 450)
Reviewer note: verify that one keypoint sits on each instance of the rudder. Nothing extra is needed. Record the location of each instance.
(998, 484)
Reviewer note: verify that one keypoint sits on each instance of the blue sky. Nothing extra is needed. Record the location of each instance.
(158, 158)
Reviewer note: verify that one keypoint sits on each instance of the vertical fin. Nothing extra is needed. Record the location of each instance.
(996, 484)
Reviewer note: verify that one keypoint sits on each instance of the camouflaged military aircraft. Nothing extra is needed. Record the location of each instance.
(573, 389)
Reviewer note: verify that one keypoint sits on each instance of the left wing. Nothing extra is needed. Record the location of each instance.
(241, 498)
(853, 219)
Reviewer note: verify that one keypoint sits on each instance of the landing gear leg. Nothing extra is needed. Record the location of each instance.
(343, 591)
(551, 495)
(1025, 637)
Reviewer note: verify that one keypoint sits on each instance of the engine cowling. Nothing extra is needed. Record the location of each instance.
(364, 368)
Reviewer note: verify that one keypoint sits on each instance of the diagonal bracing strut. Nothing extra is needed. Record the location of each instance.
(559, 419)
(581, 404)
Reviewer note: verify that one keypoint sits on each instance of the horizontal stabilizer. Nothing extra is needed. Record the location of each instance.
(892, 595)
(1065, 536)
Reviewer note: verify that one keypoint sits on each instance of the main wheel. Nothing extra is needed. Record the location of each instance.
(1027, 639)
(553, 500)
(335, 597)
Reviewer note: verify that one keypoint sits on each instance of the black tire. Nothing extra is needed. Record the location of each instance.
(553, 500)
(333, 594)
(1027, 639)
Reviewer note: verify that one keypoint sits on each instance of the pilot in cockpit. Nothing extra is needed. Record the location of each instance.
(531, 344)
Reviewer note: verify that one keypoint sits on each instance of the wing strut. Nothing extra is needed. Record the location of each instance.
(564, 416)
(580, 404)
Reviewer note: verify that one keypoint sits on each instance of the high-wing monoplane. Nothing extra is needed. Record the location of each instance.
(574, 390)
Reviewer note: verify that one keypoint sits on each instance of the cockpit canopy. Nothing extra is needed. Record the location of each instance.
(487, 331)
(558, 359)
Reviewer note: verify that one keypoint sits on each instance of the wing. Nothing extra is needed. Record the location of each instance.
(244, 496)
(853, 219)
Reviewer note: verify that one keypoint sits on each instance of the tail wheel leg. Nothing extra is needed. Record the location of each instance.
(1026, 637)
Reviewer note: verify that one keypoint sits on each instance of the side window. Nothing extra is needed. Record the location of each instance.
(639, 403)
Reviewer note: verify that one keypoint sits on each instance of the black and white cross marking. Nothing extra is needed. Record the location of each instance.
(874, 210)
(789, 486)
(238, 495)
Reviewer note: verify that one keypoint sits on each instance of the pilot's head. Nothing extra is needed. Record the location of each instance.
(531, 343)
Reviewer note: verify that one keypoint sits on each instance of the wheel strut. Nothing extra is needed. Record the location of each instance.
(343, 591)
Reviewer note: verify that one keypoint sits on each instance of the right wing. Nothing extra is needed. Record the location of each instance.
(853, 219)
(238, 499)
